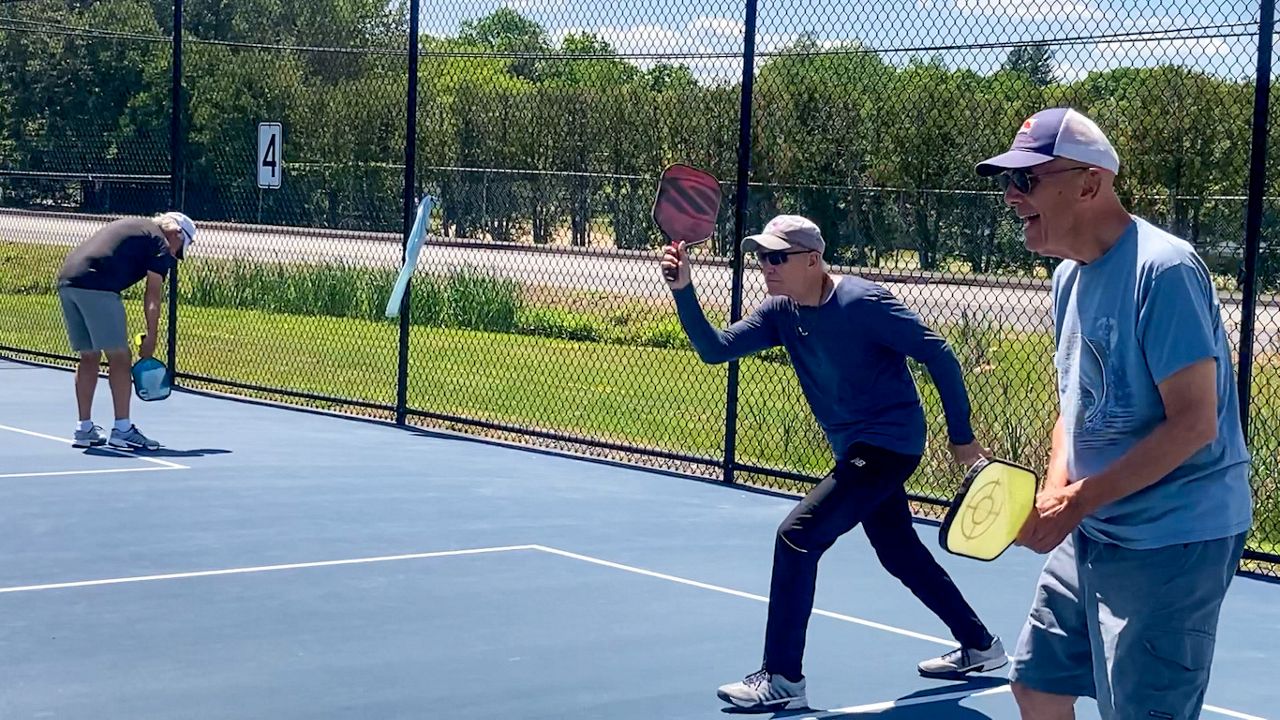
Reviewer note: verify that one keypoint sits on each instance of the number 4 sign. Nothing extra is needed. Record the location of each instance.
(269, 154)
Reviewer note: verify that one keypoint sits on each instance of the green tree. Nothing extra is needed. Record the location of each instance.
(665, 77)
(926, 150)
(807, 92)
(71, 103)
(1034, 61)
(597, 69)
(507, 31)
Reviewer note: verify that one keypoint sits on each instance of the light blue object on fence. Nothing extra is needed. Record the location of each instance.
(417, 236)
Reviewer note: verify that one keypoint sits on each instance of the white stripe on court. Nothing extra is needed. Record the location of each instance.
(90, 472)
(739, 593)
(871, 708)
(103, 448)
(260, 569)
(1232, 713)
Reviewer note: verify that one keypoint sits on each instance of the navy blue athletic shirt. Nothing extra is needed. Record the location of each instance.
(850, 355)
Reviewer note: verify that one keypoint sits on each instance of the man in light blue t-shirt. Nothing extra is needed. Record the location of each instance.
(1146, 501)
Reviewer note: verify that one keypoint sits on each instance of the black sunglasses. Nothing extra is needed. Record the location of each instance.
(1025, 181)
(777, 257)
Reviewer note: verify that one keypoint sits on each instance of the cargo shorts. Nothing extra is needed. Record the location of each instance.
(1134, 629)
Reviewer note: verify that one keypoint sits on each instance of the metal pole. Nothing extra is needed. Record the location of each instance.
(739, 230)
(1253, 215)
(410, 205)
(175, 174)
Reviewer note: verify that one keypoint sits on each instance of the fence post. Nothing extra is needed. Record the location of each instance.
(175, 174)
(410, 197)
(1253, 215)
(739, 229)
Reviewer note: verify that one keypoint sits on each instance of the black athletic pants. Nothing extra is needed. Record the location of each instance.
(867, 488)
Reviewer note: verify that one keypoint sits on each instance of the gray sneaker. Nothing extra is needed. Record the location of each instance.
(763, 691)
(92, 437)
(132, 439)
(962, 661)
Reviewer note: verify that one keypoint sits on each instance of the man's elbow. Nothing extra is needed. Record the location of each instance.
(940, 359)
(1200, 429)
(1207, 431)
(713, 355)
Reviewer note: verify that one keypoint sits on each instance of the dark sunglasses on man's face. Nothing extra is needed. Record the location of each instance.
(1025, 181)
(777, 257)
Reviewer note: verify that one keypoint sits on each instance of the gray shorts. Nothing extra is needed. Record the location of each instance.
(1134, 629)
(94, 318)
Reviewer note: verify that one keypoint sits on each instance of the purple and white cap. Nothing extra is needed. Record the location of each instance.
(1055, 133)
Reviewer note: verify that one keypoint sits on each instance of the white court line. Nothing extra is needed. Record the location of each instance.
(447, 553)
(90, 472)
(104, 448)
(739, 593)
(871, 708)
(259, 569)
(1232, 713)
(875, 707)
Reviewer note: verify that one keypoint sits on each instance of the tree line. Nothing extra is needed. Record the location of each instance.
(529, 138)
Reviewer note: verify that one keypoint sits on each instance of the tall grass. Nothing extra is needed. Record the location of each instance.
(464, 299)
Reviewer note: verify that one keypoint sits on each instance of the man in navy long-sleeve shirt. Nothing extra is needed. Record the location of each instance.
(848, 339)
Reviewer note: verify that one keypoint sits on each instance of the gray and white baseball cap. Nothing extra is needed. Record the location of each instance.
(786, 232)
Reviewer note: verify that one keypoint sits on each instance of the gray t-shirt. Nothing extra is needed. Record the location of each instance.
(117, 256)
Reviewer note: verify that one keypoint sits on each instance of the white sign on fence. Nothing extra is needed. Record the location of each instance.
(269, 155)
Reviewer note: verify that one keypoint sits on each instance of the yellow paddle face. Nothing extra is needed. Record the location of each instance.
(986, 520)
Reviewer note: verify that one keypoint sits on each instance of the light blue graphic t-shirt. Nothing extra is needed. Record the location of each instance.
(1125, 323)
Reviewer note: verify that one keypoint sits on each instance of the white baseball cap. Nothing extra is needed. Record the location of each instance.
(186, 225)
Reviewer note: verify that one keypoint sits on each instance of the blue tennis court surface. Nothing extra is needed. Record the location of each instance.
(271, 563)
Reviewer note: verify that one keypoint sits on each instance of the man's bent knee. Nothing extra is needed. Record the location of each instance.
(792, 539)
(1038, 705)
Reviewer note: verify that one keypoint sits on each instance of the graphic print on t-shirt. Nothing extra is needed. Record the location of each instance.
(1093, 385)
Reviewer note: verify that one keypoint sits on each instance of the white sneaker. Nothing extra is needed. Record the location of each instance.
(132, 439)
(962, 661)
(92, 437)
(764, 691)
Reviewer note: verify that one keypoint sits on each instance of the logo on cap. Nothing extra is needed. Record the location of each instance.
(1026, 125)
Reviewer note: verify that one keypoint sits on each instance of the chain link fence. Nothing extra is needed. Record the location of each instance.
(86, 113)
(537, 313)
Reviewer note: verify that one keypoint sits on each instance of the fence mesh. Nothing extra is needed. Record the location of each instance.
(537, 308)
(83, 97)
(293, 277)
(541, 140)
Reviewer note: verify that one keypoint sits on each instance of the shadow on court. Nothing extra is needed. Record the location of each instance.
(161, 453)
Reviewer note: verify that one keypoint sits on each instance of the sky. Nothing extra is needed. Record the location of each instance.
(709, 34)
